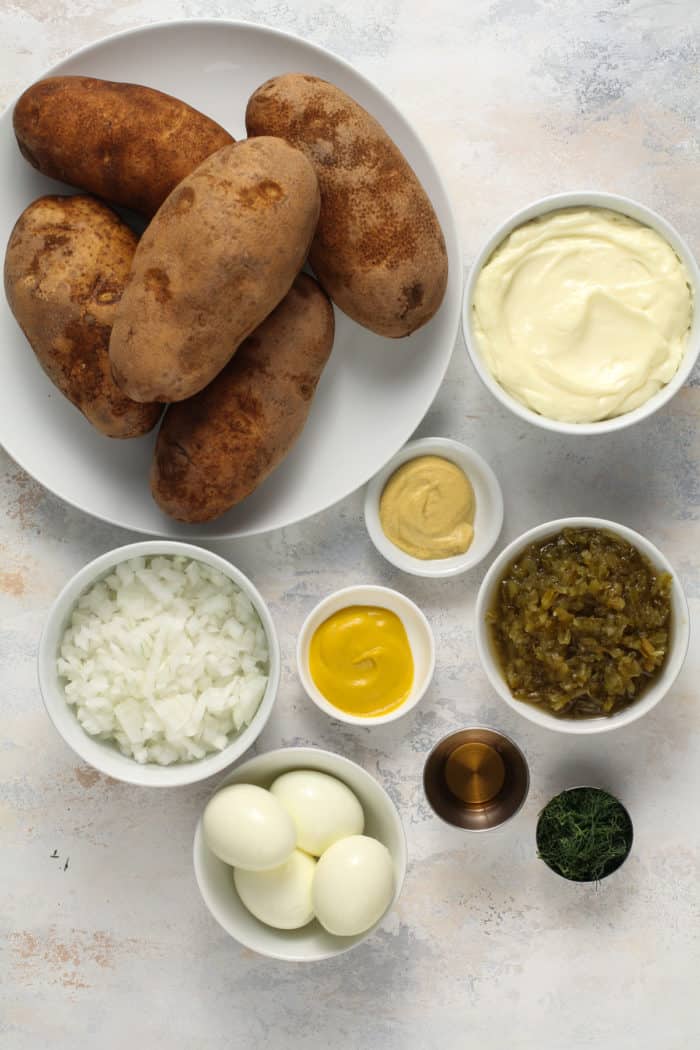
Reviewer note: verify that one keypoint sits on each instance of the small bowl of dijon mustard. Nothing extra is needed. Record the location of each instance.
(436, 508)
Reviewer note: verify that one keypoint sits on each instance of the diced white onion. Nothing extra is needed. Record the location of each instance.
(166, 657)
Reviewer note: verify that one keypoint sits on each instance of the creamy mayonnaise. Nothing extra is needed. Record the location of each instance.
(583, 314)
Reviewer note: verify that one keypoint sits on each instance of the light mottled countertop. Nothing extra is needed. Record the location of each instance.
(106, 943)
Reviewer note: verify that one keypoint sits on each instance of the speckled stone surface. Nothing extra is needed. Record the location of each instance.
(104, 939)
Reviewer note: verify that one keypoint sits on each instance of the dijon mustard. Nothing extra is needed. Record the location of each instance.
(427, 508)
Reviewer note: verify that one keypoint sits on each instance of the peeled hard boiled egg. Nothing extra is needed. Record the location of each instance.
(353, 885)
(280, 897)
(323, 809)
(246, 827)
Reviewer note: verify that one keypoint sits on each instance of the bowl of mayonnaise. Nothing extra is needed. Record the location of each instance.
(580, 313)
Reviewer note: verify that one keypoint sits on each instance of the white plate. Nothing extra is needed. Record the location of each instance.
(374, 391)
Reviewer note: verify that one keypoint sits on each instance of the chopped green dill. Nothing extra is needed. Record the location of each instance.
(584, 834)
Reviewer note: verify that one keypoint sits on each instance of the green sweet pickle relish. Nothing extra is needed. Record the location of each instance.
(581, 623)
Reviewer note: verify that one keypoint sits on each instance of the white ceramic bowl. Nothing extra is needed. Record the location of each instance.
(680, 631)
(596, 200)
(420, 638)
(488, 518)
(104, 756)
(215, 881)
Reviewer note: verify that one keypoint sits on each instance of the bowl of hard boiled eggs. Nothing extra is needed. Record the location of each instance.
(299, 854)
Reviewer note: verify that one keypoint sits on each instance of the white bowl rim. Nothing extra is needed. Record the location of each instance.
(302, 753)
(102, 756)
(655, 692)
(377, 592)
(595, 199)
(463, 456)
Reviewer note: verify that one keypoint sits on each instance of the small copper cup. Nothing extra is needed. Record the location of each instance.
(482, 765)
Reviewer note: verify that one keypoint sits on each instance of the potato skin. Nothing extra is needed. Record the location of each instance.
(128, 144)
(215, 449)
(379, 251)
(215, 261)
(66, 266)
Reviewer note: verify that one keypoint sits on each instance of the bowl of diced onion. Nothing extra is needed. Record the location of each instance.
(159, 663)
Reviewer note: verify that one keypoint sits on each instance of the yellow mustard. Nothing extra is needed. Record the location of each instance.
(427, 508)
(360, 659)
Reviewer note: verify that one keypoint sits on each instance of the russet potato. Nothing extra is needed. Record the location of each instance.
(128, 144)
(66, 266)
(218, 256)
(379, 251)
(215, 449)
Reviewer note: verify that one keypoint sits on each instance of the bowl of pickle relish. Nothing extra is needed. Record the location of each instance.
(582, 625)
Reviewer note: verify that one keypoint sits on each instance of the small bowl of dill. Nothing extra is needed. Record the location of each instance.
(584, 834)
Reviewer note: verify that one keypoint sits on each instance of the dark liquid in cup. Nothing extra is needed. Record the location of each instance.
(475, 773)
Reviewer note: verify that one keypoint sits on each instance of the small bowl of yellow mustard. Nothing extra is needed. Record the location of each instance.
(366, 655)
(436, 508)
